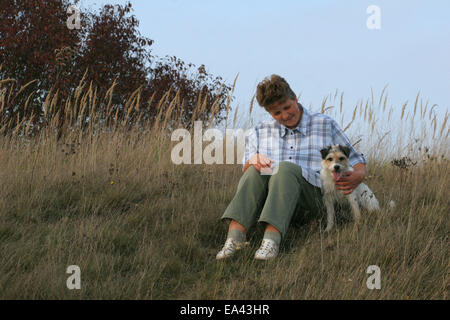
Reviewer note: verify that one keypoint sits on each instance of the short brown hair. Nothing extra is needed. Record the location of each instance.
(273, 89)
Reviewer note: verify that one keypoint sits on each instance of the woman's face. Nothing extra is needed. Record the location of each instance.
(286, 113)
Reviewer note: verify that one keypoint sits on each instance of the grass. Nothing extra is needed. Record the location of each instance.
(140, 227)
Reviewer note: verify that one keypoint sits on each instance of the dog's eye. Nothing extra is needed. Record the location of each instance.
(330, 159)
(341, 159)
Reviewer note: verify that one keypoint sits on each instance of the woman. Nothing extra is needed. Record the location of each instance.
(281, 169)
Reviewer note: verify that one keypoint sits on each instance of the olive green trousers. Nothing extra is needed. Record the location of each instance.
(277, 198)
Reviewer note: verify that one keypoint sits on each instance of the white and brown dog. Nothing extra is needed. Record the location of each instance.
(334, 165)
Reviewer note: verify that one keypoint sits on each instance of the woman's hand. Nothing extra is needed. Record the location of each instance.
(260, 161)
(352, 179)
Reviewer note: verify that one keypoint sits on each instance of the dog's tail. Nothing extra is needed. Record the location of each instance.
(391, 205)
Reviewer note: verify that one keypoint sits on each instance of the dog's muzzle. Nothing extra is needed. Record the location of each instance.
(336, 172)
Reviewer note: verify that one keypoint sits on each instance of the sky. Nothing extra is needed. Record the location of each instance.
(318, 46)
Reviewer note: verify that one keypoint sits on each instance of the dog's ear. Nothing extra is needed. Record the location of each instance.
(345, 150)
(324, 152)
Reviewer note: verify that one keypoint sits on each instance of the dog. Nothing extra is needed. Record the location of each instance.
(335, 164)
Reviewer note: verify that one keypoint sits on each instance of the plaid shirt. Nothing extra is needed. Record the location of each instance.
(301, 145)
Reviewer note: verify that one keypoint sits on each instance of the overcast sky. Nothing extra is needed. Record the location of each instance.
(317, 46)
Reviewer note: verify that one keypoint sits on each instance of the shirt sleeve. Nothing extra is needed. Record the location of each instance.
(251, 145)
(339, 137)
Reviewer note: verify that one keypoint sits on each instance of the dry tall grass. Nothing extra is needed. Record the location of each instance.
(140, 227)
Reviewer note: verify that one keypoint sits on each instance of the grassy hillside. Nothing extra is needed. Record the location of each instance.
(140, 227)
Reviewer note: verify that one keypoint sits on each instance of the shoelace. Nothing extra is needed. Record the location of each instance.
(230, 244)
(267, 246)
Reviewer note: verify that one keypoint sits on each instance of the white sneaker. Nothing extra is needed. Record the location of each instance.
(230, 247)
(268, 250)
